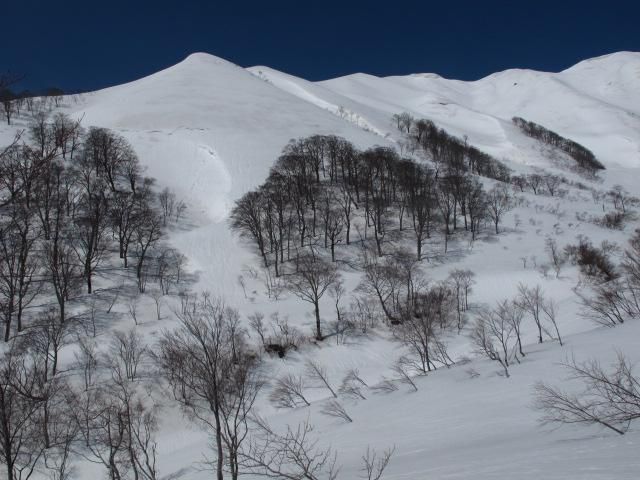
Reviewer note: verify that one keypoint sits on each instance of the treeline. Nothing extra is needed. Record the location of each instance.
(584, 157)
(448, 152)
(13, 101)
(69, 197)
(322, 189)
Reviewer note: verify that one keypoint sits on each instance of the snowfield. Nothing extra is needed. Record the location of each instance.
(210, 131)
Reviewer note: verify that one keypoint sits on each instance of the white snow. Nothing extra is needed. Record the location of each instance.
(210, 131)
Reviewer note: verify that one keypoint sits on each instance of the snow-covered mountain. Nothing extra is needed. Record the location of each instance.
(211, 130)
(595, 102)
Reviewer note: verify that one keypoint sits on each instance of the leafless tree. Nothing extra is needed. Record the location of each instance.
(157, 300)
(609, 398)
(513, 313)
(292, 455)
(63, 271)
(492, 337)
(132, 306)
(385, 386)
(403, 369)
(555, 255)
(313, 278)
(420, 328)
(18, 266)
(46, 337)
(126, 352)
(215, 390)
(181, 208)
(288, 392)
(118, 427)
(21, 445)
(168, 204)
(247, 219)
(499, 202)
(375, 464)
(461, 282)
(382, 281)
(333, 408)
(352, 384)
(318, 373)
(91, 224)
(147, 233)
(336, 292)
(87, 361)
(550, 309)
(256, 323)
(609, 304)
(531, 301)
(108, 153)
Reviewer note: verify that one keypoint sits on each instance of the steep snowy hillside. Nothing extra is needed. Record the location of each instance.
(594, 102)
(210, 131)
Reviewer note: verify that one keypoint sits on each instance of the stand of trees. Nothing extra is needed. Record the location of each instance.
(322, 189)
(584, 157)
(68, 197)
(447, 152)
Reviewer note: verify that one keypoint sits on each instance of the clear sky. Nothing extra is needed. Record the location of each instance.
(85, 45)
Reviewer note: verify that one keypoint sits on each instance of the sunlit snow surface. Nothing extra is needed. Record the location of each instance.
(210, 131)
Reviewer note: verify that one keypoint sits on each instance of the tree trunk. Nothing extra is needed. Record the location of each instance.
(317, 312)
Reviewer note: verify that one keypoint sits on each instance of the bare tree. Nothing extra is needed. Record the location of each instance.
(608, 304)
(492, 337)
(333, 408)
(609, 398)
(403, 368)
(118, 427)
(375, 464)
(461, 282)
(288, 392)
(46, 337)
(168, 204)
(147, 233)
(21, 445)
(292, 455)
(420, 327)
(352, 384)
(313, 278)
(550, 309)
(499, 202)
(531, 301)
(318, 373)
(18, 265)
(513, 313)
(555, 255)
(63, 271)
(132, 306)
(215, 390)
(126, 352)
(91, 224)
(157, 300)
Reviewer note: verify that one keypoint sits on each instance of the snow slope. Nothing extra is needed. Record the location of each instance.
(594, 102)
(210, 130)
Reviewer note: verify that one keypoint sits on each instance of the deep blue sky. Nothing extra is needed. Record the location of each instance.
(84, 45)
